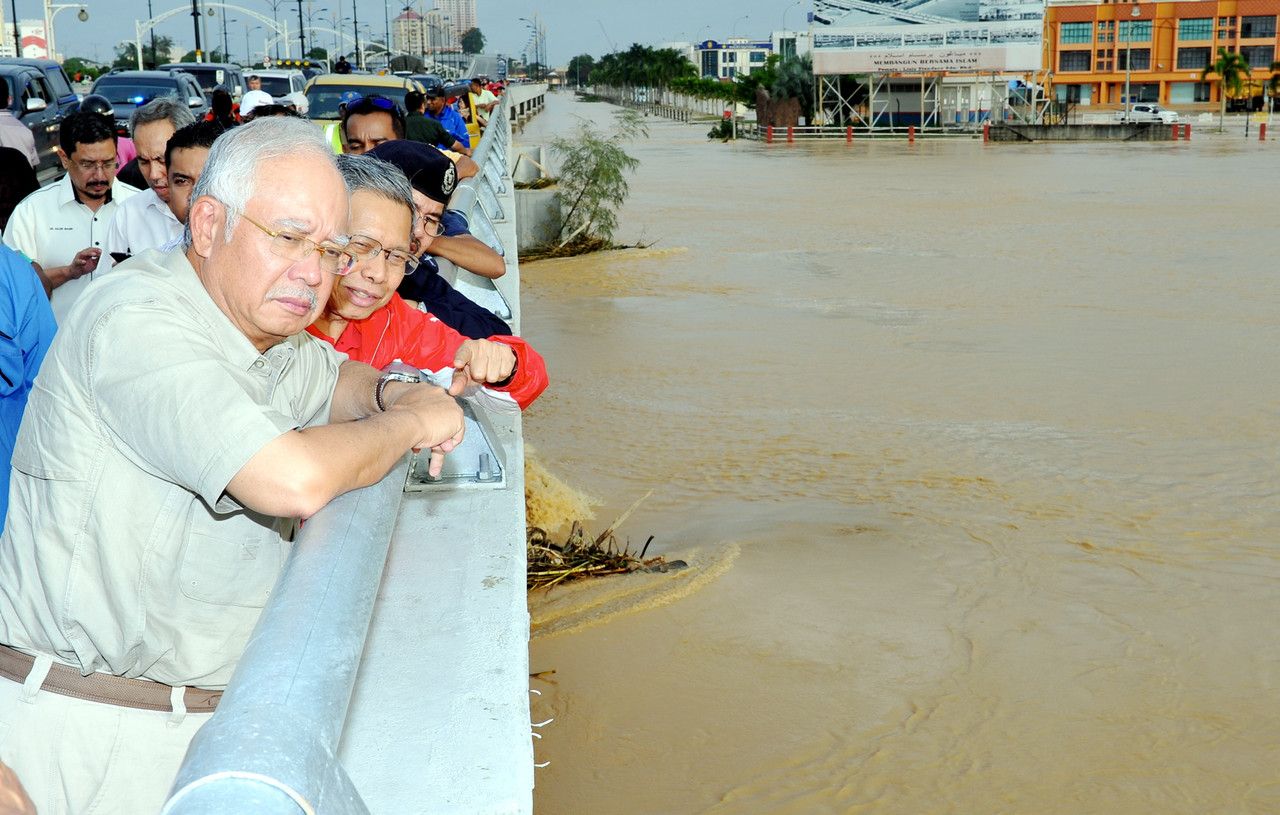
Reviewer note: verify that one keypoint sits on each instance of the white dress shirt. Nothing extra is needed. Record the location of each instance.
(51, 225)
(143, 222)
(13, 133)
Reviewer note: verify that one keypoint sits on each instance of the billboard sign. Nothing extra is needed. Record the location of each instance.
(995, 36)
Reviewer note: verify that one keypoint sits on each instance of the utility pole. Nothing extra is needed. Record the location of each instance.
(154, 59)
(302, 33)
(195, 21)
(17, 36)
(355, 26)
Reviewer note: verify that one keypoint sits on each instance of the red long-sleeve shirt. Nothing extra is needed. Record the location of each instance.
(399, 331)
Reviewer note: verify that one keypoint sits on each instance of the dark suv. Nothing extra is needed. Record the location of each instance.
(127, 90)
(213, 75)
(33, 102)
(57, 80)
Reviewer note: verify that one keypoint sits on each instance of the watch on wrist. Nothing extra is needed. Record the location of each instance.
(395, 372)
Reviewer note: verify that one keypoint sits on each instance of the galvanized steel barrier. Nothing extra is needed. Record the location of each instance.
(271, 747)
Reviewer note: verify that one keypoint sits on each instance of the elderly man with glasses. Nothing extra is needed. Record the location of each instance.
(368, 321)
(182, 424)
(63, 227)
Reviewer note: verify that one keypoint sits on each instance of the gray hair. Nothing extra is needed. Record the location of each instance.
(160, 109)
(231, 171)
(370, 173)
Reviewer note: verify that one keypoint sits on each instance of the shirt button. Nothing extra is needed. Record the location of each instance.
(258, 364)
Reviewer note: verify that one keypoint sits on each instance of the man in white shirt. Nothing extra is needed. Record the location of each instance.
(483, 100)
(13, 133)
(63, 226)
(144, 221)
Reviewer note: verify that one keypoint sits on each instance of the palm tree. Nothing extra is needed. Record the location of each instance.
(1233, 72)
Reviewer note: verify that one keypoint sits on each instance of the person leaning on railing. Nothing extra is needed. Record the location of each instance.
(183, 421)
(369, 322)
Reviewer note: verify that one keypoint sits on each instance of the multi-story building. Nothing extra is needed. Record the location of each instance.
(1161, 48)
(408, 33)
(461, 15)
(737, 56)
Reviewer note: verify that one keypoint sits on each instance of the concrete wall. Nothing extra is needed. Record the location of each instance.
(537, 218)
(1138, 131)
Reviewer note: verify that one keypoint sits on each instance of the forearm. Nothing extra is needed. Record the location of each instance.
(54, 277)
(469, 253)
(353, 395)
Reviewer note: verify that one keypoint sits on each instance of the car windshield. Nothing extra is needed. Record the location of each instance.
(277, 86)
(322, 100)
(209, 78)
(135, 93)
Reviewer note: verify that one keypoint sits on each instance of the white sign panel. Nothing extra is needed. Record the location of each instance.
(997, 59)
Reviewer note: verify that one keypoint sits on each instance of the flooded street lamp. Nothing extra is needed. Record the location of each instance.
(1128, 64)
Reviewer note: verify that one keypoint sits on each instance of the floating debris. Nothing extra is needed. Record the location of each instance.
(581, 556)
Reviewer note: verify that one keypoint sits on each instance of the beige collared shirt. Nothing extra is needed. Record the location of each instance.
(121, 551)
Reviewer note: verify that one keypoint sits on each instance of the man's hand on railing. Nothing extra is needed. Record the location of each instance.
(438, 415)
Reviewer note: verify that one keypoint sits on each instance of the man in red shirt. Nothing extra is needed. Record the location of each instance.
(369, 322)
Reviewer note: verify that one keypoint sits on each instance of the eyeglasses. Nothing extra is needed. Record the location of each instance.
(433, 227)
(334, 259)
(106, 166)
(365, 248)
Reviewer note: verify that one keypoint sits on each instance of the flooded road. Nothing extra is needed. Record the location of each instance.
(995, 430)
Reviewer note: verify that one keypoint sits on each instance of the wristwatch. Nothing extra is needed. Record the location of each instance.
(396, 371)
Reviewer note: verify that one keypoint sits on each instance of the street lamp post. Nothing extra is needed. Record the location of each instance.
(248, 52)
(1128, 63)
(226, 48)
(50, 11)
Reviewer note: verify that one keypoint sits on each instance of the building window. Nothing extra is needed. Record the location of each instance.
(1106, 37)
(787, 46)
(1202, 91)
(757, 57)
(1141, 58)
(1258, 56)
(730, 56)
(1257, 27)
(1196, 29)
(1076, 33)
(1193, 59)
(1141, 31)
(1073, 61)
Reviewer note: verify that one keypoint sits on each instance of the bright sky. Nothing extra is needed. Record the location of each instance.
(572, 26)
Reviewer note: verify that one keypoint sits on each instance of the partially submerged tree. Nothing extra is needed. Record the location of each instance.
(593, 183)
(1233, 72)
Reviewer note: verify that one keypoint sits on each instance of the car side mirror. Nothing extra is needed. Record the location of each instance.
(195, 101)
(36, 104)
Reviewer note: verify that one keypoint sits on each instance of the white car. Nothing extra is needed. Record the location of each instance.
(279, 82)
(1148, 112)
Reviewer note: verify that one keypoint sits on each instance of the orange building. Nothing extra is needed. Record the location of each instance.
(1087, 47)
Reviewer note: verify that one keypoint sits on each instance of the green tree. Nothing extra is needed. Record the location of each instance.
(84, 67)
(579, 69)
(318, 53)
(593, 183)
(473, 42)
(1233, 72)
(1273, 83)
(127, 55)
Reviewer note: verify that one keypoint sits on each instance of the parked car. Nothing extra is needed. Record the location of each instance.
(1148, 112)
(126, 90)
(212, 75)
(427, 81)
(58, 81)
(31, 100)
(280, 82)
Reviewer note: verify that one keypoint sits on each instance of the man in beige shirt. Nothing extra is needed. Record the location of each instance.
(181, 424)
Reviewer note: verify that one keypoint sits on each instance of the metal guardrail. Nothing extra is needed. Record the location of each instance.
(271, 747)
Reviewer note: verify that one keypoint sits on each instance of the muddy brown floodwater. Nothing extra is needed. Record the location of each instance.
(994, 431)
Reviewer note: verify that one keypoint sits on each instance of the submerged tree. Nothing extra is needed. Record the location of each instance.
(593, 184)
(1233, 72)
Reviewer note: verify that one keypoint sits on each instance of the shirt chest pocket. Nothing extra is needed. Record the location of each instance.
(230, 567)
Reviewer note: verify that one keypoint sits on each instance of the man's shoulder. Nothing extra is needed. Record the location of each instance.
(38, 201)
(122, 192)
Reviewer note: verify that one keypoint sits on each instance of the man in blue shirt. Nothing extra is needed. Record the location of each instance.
(447, 115)
(26, 329)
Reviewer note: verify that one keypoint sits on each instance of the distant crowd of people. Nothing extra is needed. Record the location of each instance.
(192, 364)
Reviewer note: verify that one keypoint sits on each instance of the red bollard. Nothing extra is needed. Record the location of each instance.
(791, 135)
(1186, 133)
(1262, 132)
(986, 132)
(848, 135)
(768, 135)
(1176, 129)
(911, 134)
